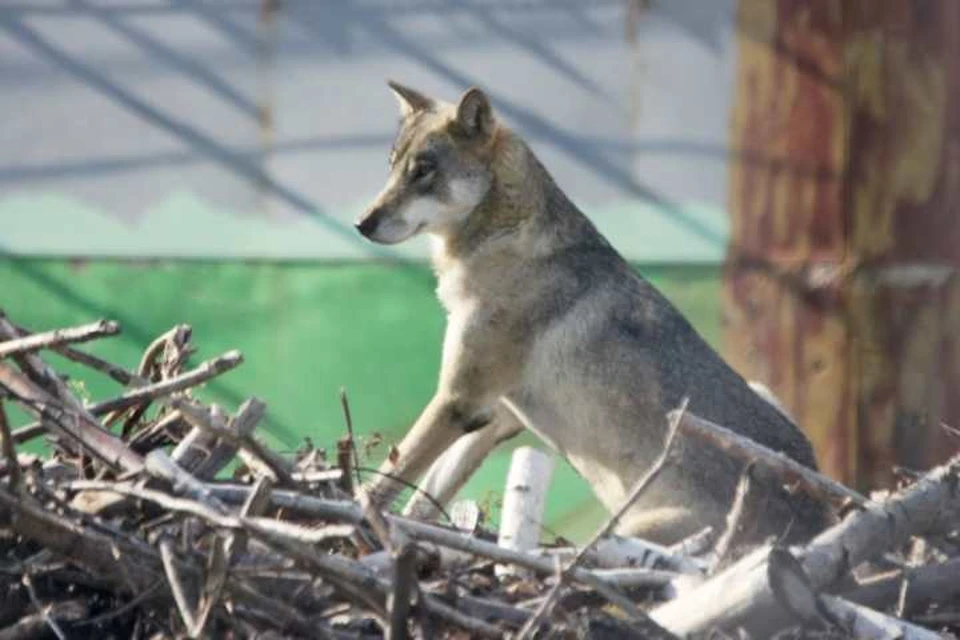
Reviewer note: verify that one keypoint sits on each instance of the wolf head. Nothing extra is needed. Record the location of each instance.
(439, 167)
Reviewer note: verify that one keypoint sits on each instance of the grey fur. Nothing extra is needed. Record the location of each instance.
(548, 319)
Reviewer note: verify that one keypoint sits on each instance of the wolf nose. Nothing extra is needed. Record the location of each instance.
(368, 222)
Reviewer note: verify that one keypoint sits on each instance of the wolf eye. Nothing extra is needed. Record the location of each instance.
(421, 168)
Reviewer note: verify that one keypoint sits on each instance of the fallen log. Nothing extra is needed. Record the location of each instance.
(742, 595)
(524, 500)
(927, 584)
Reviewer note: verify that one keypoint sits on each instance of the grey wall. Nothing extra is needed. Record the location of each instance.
(210, 128)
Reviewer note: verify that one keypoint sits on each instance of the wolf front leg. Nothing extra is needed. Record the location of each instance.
(478, 365)
(444, 420)
(456, 466)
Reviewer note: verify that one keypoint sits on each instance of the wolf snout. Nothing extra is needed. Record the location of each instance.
(369, 221)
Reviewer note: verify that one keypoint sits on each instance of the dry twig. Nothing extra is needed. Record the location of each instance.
(176, 553)
(58, 338)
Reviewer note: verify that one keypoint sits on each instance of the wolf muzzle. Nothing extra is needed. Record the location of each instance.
(369, 221)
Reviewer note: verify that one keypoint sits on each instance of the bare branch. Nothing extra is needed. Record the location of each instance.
(725, 540)
(282, 469)
(9, 454)
(676, 417)
(935, 583)
(70, 420)
(743, 448)
(176, 585)
(42, 610)
(58, 337)
(546, 607)
(741, 594)
(348, 420)
(404, 587)
(204, 372)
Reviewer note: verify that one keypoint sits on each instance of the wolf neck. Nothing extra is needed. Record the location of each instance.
(523, 199)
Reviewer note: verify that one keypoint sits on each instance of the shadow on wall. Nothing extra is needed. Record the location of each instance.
(318, 29)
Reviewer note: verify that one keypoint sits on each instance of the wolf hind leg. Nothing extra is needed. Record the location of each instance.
(663, 525)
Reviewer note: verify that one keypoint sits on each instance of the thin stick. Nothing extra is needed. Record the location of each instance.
(353, 440)
(58, 337)
(722, 546)
(485, 608)
(204, 372)
(932, 583)
(144, 438)
(71, 420)
(692, 545)
(378, 524)
(531, 626)
(244, 423)
(902, 595)
(346, 465)
(675, 418)
(254, 506)
(9, 454)
(176, 586)
(27, 433)
(950, 430)
(118, 374)
(404, 587)
(35, 625)
(42, 610)
(200, 418)
(350, 512)
(172, 347)
(340, 510)
(360, 584)
(216, 577)
(124, 608)
(126, 562)
(177, 338)
(278, 609)
(293, 539)
(614, 519)
(867, 623)
(816, 484)
(277, 528)
(456, 540)
(37, 371)
(435, 606)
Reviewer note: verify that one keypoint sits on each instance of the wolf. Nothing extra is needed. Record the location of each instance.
(550, 329)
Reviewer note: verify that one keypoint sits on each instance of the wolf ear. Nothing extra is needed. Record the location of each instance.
(410, 100)
(474, 113)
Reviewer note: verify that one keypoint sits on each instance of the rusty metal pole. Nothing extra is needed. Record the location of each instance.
(841, 286)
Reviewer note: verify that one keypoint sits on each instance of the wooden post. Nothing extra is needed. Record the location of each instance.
(524, 501)
(841, 287)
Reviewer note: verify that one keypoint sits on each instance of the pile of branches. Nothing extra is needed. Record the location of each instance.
(152, 514)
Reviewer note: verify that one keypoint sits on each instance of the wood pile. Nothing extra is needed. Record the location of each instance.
(151, 514)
